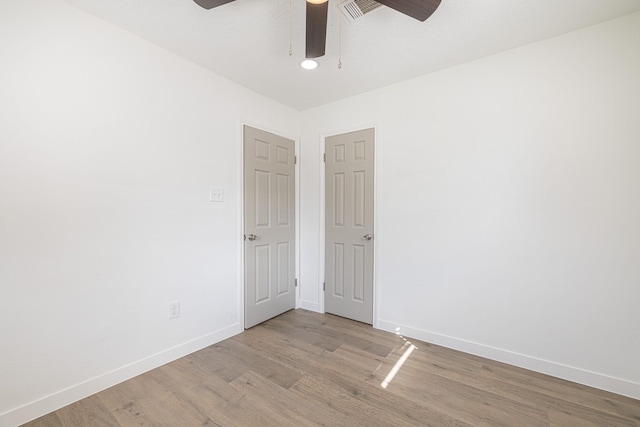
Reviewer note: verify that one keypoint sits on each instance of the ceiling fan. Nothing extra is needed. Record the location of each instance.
(317, 11)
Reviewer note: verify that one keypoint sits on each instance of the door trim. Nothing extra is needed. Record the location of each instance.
(321, 251)
(240, 225)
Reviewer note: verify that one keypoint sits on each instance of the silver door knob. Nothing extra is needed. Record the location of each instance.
(252, 237)
(367, 237)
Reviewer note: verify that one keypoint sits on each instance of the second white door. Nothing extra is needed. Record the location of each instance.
(349, 225)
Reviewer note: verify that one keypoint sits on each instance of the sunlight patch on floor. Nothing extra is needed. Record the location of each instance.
(398, 365)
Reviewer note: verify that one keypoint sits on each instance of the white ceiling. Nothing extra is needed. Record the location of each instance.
(247, 41)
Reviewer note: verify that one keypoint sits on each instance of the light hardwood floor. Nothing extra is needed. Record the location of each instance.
(304, 368)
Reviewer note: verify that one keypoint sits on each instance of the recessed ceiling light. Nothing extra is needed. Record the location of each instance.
(309, 64)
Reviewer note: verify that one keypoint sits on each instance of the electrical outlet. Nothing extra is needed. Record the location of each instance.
(216, 194)
(174, 309)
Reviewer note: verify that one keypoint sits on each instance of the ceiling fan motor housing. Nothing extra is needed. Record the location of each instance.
(316, 28)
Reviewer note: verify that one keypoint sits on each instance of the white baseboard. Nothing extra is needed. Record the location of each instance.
(311, 306)
(558, 370)
(40, 407)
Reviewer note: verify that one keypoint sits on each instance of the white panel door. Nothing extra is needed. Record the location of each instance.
(349, 225)
(269, 225)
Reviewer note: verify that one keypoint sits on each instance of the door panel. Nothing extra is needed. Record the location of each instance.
(284, 187)
(348, 223)
(269, 197)
(338, 200)
(262, 276)
(284, 269)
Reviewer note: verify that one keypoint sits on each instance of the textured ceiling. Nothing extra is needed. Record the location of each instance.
(248, 41)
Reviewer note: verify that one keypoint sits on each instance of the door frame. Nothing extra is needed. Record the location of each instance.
(321, 268)
(240, 234)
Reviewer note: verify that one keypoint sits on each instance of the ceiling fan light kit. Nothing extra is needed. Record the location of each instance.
(318, 10)
(309, 64)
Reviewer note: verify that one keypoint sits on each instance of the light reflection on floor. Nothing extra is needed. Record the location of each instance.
(396, 368)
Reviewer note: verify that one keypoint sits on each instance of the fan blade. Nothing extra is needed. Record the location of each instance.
(316, 28)
(418, 9)
(210, 4)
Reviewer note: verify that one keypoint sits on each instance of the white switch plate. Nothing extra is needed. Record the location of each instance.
(216, 194)
(174, 309)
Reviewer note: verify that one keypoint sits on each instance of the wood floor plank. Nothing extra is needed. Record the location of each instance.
(268, 368)
(300, 410)
(307, 365)
(475, 406)
(318, 329)
(165, 411)
(334, 324)
(579, 415)
(137, 388)
(366, 386)
(206, 399)
(86, 412)
(271, 335)
(557, 389)
(221, 365)
(516, 392)
(49, 420)
(329, 395)
(251, 410)
(310, 337)
(224, 392)
(310, 369)
(186, 371)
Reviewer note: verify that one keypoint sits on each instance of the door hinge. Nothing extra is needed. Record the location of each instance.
(324, 157)
(295, 160)
(324, 285)
(245, 237)
(296, 282)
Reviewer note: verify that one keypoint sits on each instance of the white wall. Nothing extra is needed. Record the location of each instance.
(508, 205)
(108, 147)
